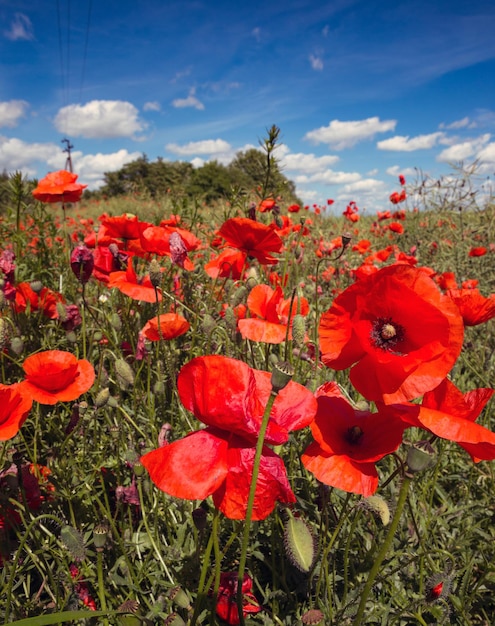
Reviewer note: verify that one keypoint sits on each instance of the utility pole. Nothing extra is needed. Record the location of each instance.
(68, 162)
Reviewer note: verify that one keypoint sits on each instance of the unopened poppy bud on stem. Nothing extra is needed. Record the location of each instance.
(155, 273)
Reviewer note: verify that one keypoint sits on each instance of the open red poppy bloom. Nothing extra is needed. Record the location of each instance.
(475, 308)
(448, 413)
(171, 325)
(56, 376)
(26, 299)
(478, 251)
(399, 333)
(127, 226)
(230, 397)
(14, 408)
(270, 313)
(157, 240)
(59, 186)
(128, 283)
(349, 442)
(230, 263)
(254, 239)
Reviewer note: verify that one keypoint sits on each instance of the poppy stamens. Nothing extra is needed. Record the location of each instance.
(386, 334)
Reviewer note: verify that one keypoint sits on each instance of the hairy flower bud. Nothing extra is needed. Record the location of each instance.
(125, 375)
(155, 273)
(298, 329)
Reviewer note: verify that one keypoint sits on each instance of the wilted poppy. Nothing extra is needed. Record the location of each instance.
(399, 333)
(56, 376)
(349, 442)
(59, 186)
(165, 326)
(226, 604)
(270, 315)
(254, 239)
(230, 397)
(14, 408)
(450, 414)
(128, 283)
(474, 308)
(82, 263)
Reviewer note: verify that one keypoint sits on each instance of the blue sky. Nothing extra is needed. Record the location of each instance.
(362, 89)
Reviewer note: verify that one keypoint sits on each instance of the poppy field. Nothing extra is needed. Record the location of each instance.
(248, 413)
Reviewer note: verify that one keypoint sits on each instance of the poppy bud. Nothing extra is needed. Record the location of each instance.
(155, 273)
(82, 263)
(17, 345)
(282, 374)
(102, 398)
(298, 329)
(125, 375)
(4, 333)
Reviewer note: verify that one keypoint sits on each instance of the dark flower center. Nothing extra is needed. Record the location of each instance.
(354, 434)
(386, 334)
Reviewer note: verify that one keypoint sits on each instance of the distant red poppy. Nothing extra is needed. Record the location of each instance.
(56, 376)
(226, 604)
(294, 208)
(330, 201)
(266, 205)
(14, 408)
(478, 251)
(448, 413)
(397, 331)
(349, 442)
(127, 282)
(396, 227)
(229, 397)
(254, 239)
(475, 308)
(26, 299)
(59, 186)
(446, 280)
(171, 325)
(270, 315)
(127, 226)
(396, 198)
(402, 180)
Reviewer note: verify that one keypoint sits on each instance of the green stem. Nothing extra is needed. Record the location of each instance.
(202, 590)
(250, 502)
(358, 620)
(101, 585)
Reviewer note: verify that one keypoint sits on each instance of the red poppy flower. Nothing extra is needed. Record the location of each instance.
(171, 325)
(230, 397)
(402, 180)
(349, 442)
(475, 308)
(446, 280)
(26, 299)
(399, 333)
(294, 208)
(270, 315)
(59, 186)
(448, 413)
(254, 239)
(56, 376)
(266, 205)
(157, 239)
(127, 282)
(396, 198)
(226, 606)
(14, 409)
(127, 226)
(396, 227)
(230, 263)
(478, 251)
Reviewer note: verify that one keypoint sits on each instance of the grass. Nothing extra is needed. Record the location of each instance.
(133, 545)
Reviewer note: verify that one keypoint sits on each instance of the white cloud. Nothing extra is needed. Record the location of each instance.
(11, 111)
(91, 167)
(328, 177)
(208, 146)
(395, 170)
(340, 135)
(401, 143)
(463, 150)
(99, 119)
(464, 123)
(20, 28)
(308, 163)
(152, 106)
(364, 186)
(190, 101)
(316, 62)
(16, 154)
(487, 155)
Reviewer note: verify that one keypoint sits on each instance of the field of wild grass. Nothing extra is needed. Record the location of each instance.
(292, 398)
